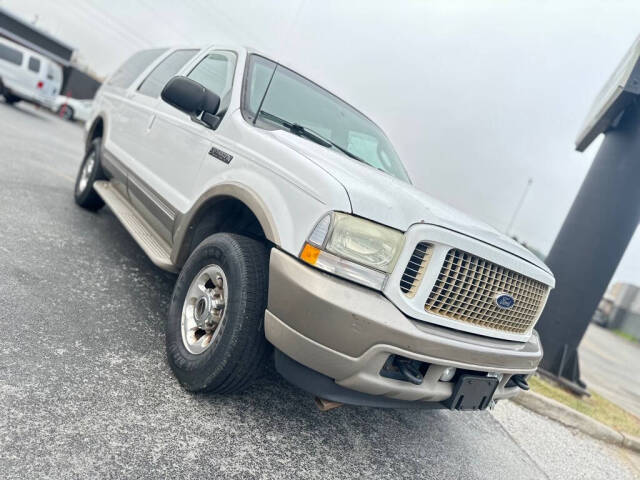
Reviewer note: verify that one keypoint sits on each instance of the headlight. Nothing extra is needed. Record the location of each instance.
(353, 248)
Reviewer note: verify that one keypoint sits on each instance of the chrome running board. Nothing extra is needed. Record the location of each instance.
(156, 248)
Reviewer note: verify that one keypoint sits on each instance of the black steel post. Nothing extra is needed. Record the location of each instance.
(590, 244)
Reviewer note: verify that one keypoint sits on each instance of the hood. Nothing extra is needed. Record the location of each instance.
(382, 198)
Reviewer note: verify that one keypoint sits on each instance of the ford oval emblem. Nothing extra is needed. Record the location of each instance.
(504, 301)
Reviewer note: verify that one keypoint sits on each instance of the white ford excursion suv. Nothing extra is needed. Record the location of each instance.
(292, 222)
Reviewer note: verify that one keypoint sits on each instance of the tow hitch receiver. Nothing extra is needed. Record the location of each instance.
(472, 392)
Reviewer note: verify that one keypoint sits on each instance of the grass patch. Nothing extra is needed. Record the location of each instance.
(626, 335)
(596, 407)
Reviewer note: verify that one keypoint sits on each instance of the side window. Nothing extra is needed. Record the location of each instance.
(10, 55)
(34, 64)
(215, 72)
(158, 78)
(256, 81)
(133, 67)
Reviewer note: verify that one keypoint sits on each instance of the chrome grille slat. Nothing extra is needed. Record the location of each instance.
(414, 271)
(466, 288)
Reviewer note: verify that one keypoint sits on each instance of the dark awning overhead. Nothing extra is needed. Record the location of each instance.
(34, 38)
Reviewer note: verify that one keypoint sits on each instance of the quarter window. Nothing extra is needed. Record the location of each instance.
(215, 72)
(134, 66)
(10, 55)
(158, 78)
(34, 64)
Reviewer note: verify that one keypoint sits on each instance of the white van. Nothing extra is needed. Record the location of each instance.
(27, 75)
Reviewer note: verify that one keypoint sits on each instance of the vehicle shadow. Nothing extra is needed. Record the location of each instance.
(26, 110)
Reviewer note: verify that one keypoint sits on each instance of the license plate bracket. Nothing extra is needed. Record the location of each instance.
(472, 392)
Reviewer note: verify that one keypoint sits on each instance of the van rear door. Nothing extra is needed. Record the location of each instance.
(53, 80)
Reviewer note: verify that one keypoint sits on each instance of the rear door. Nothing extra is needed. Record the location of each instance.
(52, 79)
(142, 107)
(119, 139)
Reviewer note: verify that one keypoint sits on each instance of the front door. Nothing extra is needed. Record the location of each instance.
(172, 171)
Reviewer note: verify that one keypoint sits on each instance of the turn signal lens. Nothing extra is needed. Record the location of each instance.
(310, 254)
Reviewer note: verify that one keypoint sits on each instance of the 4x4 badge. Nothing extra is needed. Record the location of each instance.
(220, 155)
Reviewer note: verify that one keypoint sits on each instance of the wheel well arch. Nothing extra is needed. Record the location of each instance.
(228, 208)
(96, 131)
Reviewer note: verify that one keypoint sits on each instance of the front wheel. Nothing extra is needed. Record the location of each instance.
(215, 330)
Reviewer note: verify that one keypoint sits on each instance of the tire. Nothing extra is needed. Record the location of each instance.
(11, 99)
(83, 192)
(66, 112)
(237, 348)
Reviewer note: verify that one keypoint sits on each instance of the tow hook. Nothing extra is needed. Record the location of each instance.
(520, 381)
(410, 369)
(325, 405)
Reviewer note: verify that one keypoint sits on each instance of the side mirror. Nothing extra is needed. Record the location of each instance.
(193, 99)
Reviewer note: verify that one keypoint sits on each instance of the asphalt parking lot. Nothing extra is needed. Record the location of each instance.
(85, 390)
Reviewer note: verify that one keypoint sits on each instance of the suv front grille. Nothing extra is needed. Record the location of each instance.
(467, 287)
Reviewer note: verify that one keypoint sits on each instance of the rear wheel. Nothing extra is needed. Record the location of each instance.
(215, 330)
(89, 172)
(10, 99)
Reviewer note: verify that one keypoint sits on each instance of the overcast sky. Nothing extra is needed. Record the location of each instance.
(477, 96)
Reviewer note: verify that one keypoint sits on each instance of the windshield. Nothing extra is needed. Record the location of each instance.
(283, 94)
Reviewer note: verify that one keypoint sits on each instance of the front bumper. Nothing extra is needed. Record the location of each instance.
(347, 332)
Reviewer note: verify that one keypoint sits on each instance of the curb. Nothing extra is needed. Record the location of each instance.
(571, 418)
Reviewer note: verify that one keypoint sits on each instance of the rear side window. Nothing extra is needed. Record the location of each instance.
(34, 64)
(134, 66)
(10, 55)
(158, 78)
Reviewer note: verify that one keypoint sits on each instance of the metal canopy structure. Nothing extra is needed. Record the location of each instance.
(600, 224)
(34, 38)
(76, 83)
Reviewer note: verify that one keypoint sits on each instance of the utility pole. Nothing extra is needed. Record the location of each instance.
(519, 206)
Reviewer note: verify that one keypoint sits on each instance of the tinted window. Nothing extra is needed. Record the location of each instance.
(34, 64)
(160, 75)
(215, 72)
(10, 55)
(132, 68)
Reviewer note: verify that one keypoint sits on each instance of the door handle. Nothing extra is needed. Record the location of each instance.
(153, 119)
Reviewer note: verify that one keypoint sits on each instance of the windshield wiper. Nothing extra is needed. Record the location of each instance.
(306, 132)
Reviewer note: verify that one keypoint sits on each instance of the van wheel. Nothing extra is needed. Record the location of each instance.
(215, 330)
(11, 99)
(89, 172)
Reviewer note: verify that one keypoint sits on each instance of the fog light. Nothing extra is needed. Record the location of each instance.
(448, 374)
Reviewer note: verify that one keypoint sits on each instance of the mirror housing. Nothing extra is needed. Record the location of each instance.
(193, 99)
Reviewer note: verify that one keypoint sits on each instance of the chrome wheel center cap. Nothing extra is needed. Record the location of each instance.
(202, 312)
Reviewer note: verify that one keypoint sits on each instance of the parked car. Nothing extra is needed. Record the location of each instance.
(292, 222)
(27, 75)
(71, 108)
